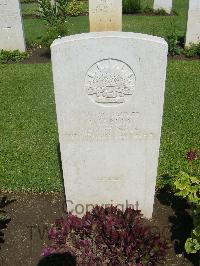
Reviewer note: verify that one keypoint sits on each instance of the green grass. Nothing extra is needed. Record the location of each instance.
(29, 9)
(28, 150)
(181, 127)
(28, 158)
(159, 25)
(154, 25)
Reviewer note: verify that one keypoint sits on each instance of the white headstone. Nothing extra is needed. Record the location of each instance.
(109, 90)
(163, 4)
(105, 15)
(193, 24)
(11, 29)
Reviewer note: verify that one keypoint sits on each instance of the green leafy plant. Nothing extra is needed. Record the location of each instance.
(192, 50)
(188, 186)
(3, 216)
(55, 17)
(57, 30)
(51, 13)
(12, 56)
(173, 40)
(174, 47)
(131, 6)
(160, 12)
(48, 12)
(74, 8)
(147, 9)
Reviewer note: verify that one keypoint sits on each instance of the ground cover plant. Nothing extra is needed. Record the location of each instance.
(186, 185)
(29, 150)
(12, 56)
(107, 236)
(55, 18)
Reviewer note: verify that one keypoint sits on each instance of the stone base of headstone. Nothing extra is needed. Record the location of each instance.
(11, 27)
(109, 90)
(163, 5)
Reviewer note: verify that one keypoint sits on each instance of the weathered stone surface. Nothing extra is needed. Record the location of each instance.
(105, 15)
(163, 4)
(109, 90)
(193, 23)
(11, 29)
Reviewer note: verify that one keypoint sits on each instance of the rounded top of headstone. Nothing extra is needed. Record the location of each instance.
(109, 34)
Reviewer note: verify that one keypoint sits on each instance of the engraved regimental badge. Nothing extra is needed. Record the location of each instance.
(110, 82)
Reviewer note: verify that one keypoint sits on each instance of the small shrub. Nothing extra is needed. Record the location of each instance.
(4, 218)
(192, 50)
(106, 236)
(12, 56)
(74, 8)
(147, 9)
(187, 186)
(48, 12)
(52, 13)
(160, 12)
(57, 30)
(56, 20)
(131, 6)
(174, 47)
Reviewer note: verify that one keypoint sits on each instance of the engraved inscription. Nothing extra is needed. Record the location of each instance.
(120, 126)
(103, 6)
(110, 82)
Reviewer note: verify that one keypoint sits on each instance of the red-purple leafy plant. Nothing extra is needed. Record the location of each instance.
(107, 236)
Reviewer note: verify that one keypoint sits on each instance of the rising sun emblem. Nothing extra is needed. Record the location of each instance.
(110, 82)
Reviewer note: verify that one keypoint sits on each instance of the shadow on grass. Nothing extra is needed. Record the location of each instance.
(181, 222)
(4, 219)
(65, 259)
(61, 173)
(60, 162)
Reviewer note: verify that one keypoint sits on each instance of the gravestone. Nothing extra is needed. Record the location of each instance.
(163, 4)
(193, 23)
(11, 29)
(109, 91)
(105, 15)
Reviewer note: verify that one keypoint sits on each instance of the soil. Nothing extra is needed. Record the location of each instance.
(150, 13)
(32, 214)
(43, 55)
(38, 55)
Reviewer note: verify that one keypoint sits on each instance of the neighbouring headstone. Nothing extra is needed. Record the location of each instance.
(109, 90)
(163, 4)
(193, 23)
(105, 15)
(11, 28)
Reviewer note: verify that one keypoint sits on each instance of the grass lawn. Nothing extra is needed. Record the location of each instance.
(29, 158)
(154, 25)
(29, 8)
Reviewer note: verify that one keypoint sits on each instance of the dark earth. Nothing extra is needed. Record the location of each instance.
(24, 236)
(43, 55)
